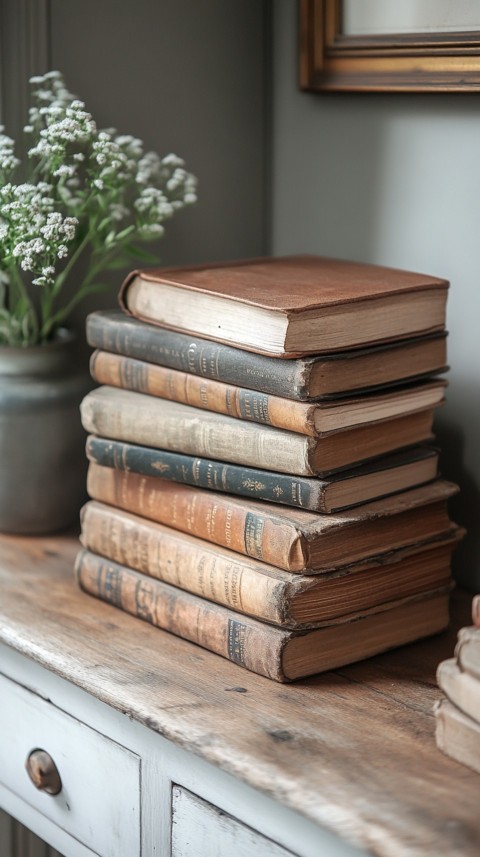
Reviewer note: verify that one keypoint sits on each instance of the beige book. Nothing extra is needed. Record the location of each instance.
(457, 735)
(467, 651)
(138, 418)
(462, 689)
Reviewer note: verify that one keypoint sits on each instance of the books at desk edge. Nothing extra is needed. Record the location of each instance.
(264, 649)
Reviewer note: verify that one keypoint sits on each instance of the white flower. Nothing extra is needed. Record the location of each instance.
(151, 230)
(64, 170)
(118, 212)
(172, 160)
(102, 176)
(148, 169)
(8, 161)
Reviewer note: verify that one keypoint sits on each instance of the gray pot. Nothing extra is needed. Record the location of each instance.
(42, 443)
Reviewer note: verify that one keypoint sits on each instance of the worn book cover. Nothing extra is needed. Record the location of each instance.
(137, 418)
(296, 540)
(255, 588)
(313, 419)
(276, 653)
(289, 306)
(301, 379)
(381, 478)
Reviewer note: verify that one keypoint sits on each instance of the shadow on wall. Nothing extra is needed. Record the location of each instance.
(464, 506)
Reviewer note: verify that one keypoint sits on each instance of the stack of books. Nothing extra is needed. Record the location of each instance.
(458, 715)
(261, 473)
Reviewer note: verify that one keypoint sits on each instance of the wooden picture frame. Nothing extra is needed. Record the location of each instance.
(407, 62)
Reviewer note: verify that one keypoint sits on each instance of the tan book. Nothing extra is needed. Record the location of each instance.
(295, 540)
(381, 477)
(137, 418)
(457, 735)
(289, 306)
(274, 652)
(462, 689)
(467, 651)
(302, 379)
(314, 419)
(267, 593)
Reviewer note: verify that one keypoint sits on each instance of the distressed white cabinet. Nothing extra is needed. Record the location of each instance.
(99, 799)
(166, 750)
(126, 791)
(202, 830)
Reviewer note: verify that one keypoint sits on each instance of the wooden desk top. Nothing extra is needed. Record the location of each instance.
(353, 749)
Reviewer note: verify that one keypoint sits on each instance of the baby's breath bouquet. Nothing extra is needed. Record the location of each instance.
(83, 194)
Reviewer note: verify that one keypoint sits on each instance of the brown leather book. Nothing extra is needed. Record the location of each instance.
(295, 540)
(277, 653)
(289, 306)
(255, 588)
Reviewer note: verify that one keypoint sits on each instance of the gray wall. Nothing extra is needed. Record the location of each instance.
(393, 180)
(188, 77)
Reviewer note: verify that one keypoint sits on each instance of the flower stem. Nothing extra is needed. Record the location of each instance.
(24, 301)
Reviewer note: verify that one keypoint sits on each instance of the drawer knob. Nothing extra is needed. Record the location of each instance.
(43, 772)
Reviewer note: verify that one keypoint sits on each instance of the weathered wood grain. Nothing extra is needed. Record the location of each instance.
(353, 750)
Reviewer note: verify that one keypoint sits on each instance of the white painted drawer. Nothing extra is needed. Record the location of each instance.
(200, 829)
(99, 803)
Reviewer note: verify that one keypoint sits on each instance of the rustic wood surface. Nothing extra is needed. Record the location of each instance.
(353, 749)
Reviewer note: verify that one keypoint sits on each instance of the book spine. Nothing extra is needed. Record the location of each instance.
(476, 611)
(251, 644)
(165, 383)
(286, 378)
(206, 473)
(128, 416)
(188, 563)
(204, 514)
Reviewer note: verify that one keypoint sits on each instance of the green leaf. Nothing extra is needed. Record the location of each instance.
(125, 232)
(121, 261)
(97, 288)
(139, 253)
